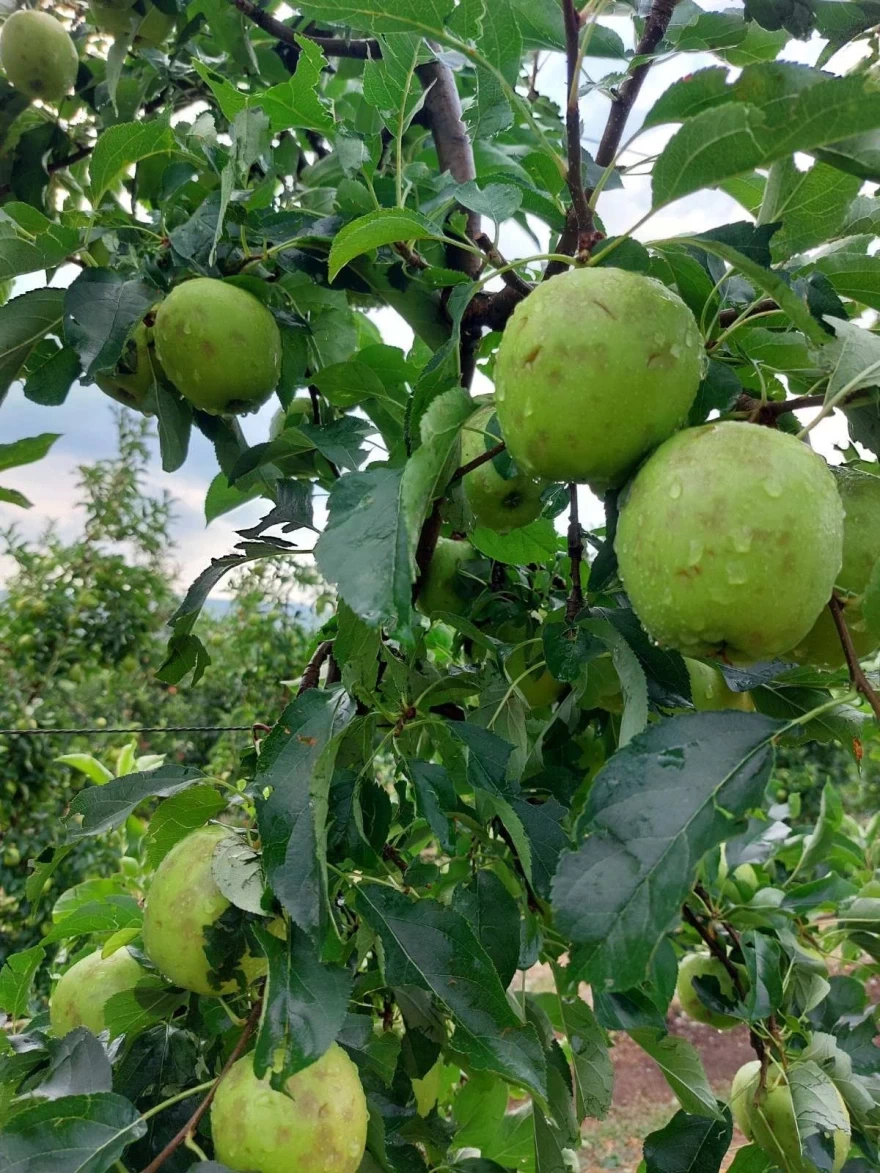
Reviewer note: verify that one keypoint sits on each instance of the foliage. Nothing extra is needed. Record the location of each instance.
(425, 818)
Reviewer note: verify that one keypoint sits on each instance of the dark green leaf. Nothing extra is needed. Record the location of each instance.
(105, 807)
(688, 1144)
(76, 1134)
(493, 915)
(101, 308)
(77, 1066)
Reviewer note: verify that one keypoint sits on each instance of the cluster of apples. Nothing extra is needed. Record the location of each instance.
(39, 56)
(318, 1120)
(731, 537)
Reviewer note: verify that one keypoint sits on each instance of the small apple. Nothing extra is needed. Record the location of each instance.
(150, 27)
(82, 992)
(442, 587)
(710, 691)
(183, 901)
(131, 381)
(219, 345)
(595, 368)
(860, 494)
(37, 54)
(318, 1122)
(526, 669)
(500, 502)
(721, 516)
(766, 1116)
(699, 965)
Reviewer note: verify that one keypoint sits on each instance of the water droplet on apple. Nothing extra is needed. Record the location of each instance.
(772, 487)
(675, 490)
(737, 574)
(695, 552)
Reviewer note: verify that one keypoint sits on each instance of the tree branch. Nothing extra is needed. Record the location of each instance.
(576, 554)
(483, 458)
(765, 306)
(856, 675)
(332, 46)
(574, 174)
(510, 277)
(193, 1122)
(313, 668)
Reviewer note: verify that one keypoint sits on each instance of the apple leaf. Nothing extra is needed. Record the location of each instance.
(682, 1068)
(689, 1144)
(70, 1134)
(78, 1065)
(23, 322)
(385, 226)
(105, 807)
(16, 979)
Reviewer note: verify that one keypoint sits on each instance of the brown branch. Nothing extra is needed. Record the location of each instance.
(313, 669)
(510, 278)
(576, 554)
(765, 306)
(715, 948)
(425, 549)
(180, 1137)
(655, 28)
(332, 46)
(483, 458)
(574, 174)
(856, 675)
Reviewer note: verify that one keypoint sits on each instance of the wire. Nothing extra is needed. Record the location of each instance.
(145, 729)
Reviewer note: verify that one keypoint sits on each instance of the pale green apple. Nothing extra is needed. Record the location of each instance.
(525, 667)
(442, 587)
(501, 503)
(730, 540)
(710, 692)
(37, 54)
(595, 368)
(183, 901)
(82, 992)
(219, 345)
(132, 379)
(699, 965)
(860, 494)
(150, 28)
(317, 1124)
(602, 690)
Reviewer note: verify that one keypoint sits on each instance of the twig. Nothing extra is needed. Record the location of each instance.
(332, 46)
(715, 948)
(574, 174)
(313, 668)
(192, 1124)
(576, 554)
(765, 306)
(510, 277)
(483, 458)
(427, 544)
(856, 675)
(768, 411)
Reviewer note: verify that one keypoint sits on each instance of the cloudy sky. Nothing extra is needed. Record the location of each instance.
(85, 421)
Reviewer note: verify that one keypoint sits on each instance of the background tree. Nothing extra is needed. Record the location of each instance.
(492, 759)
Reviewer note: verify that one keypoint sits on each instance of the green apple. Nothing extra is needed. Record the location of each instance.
(443, 588)
(602, 690)
(595, 368)
(526, 669)
(766, 1116)
(219, 345)
(730, 540)
(38, 56)
(500, 502)
(699, 965)
(317, 1123)
(860, 494)
(151, 27)
(742, 884)
(132, 379)
(710, 691)
(82, 992)
(184, 901)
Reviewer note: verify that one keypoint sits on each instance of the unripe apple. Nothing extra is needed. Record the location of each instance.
(742, 884)
(131, 381)
(525, 667)
(602, 690)
(699, 965)
(442, 587)
(500, 502)
(318, 1123)
(766, 1116)
(151, 27)
(219, 345)
(595, 368)
(37, 55)
(183, 901)
(82, 992)
(860, 494)
(730, 540)
(710, 691)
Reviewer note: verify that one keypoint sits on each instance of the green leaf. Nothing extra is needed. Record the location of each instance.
(23, 322)
(26, 451)
(654, 810)
(121, 145)
(49, 245)
(16, 979)
(812, 205)
(688, 1144)
(366, 513)
(150, 1001)
(340, 441)
(222, 497)
(390, 83)
(385, 226)
(853, 276)
(498, 201)
(296, 761)
(433, 947)
(76, 1134)
(77, 1065)
(593, 1070)
(537, 542)
(107, 806)
(851, 358)
(695, 93)
(304, 1005)
(109, 914)
(296, 104)
(356, 651)
(494, 917)
(13, 497)
(238, 872)
(174, 416)
(633, 682)
(51, 370)
(173, 819)
(682, 1068)
(871, 602)
(101, 308)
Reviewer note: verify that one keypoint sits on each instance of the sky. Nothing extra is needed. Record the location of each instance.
(85, 421)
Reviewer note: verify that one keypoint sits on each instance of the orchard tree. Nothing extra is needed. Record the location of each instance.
(507, 748)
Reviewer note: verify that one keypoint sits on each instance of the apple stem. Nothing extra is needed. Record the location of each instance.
(576, 554)
(313, 668)
(856, 675)
(483, 458)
